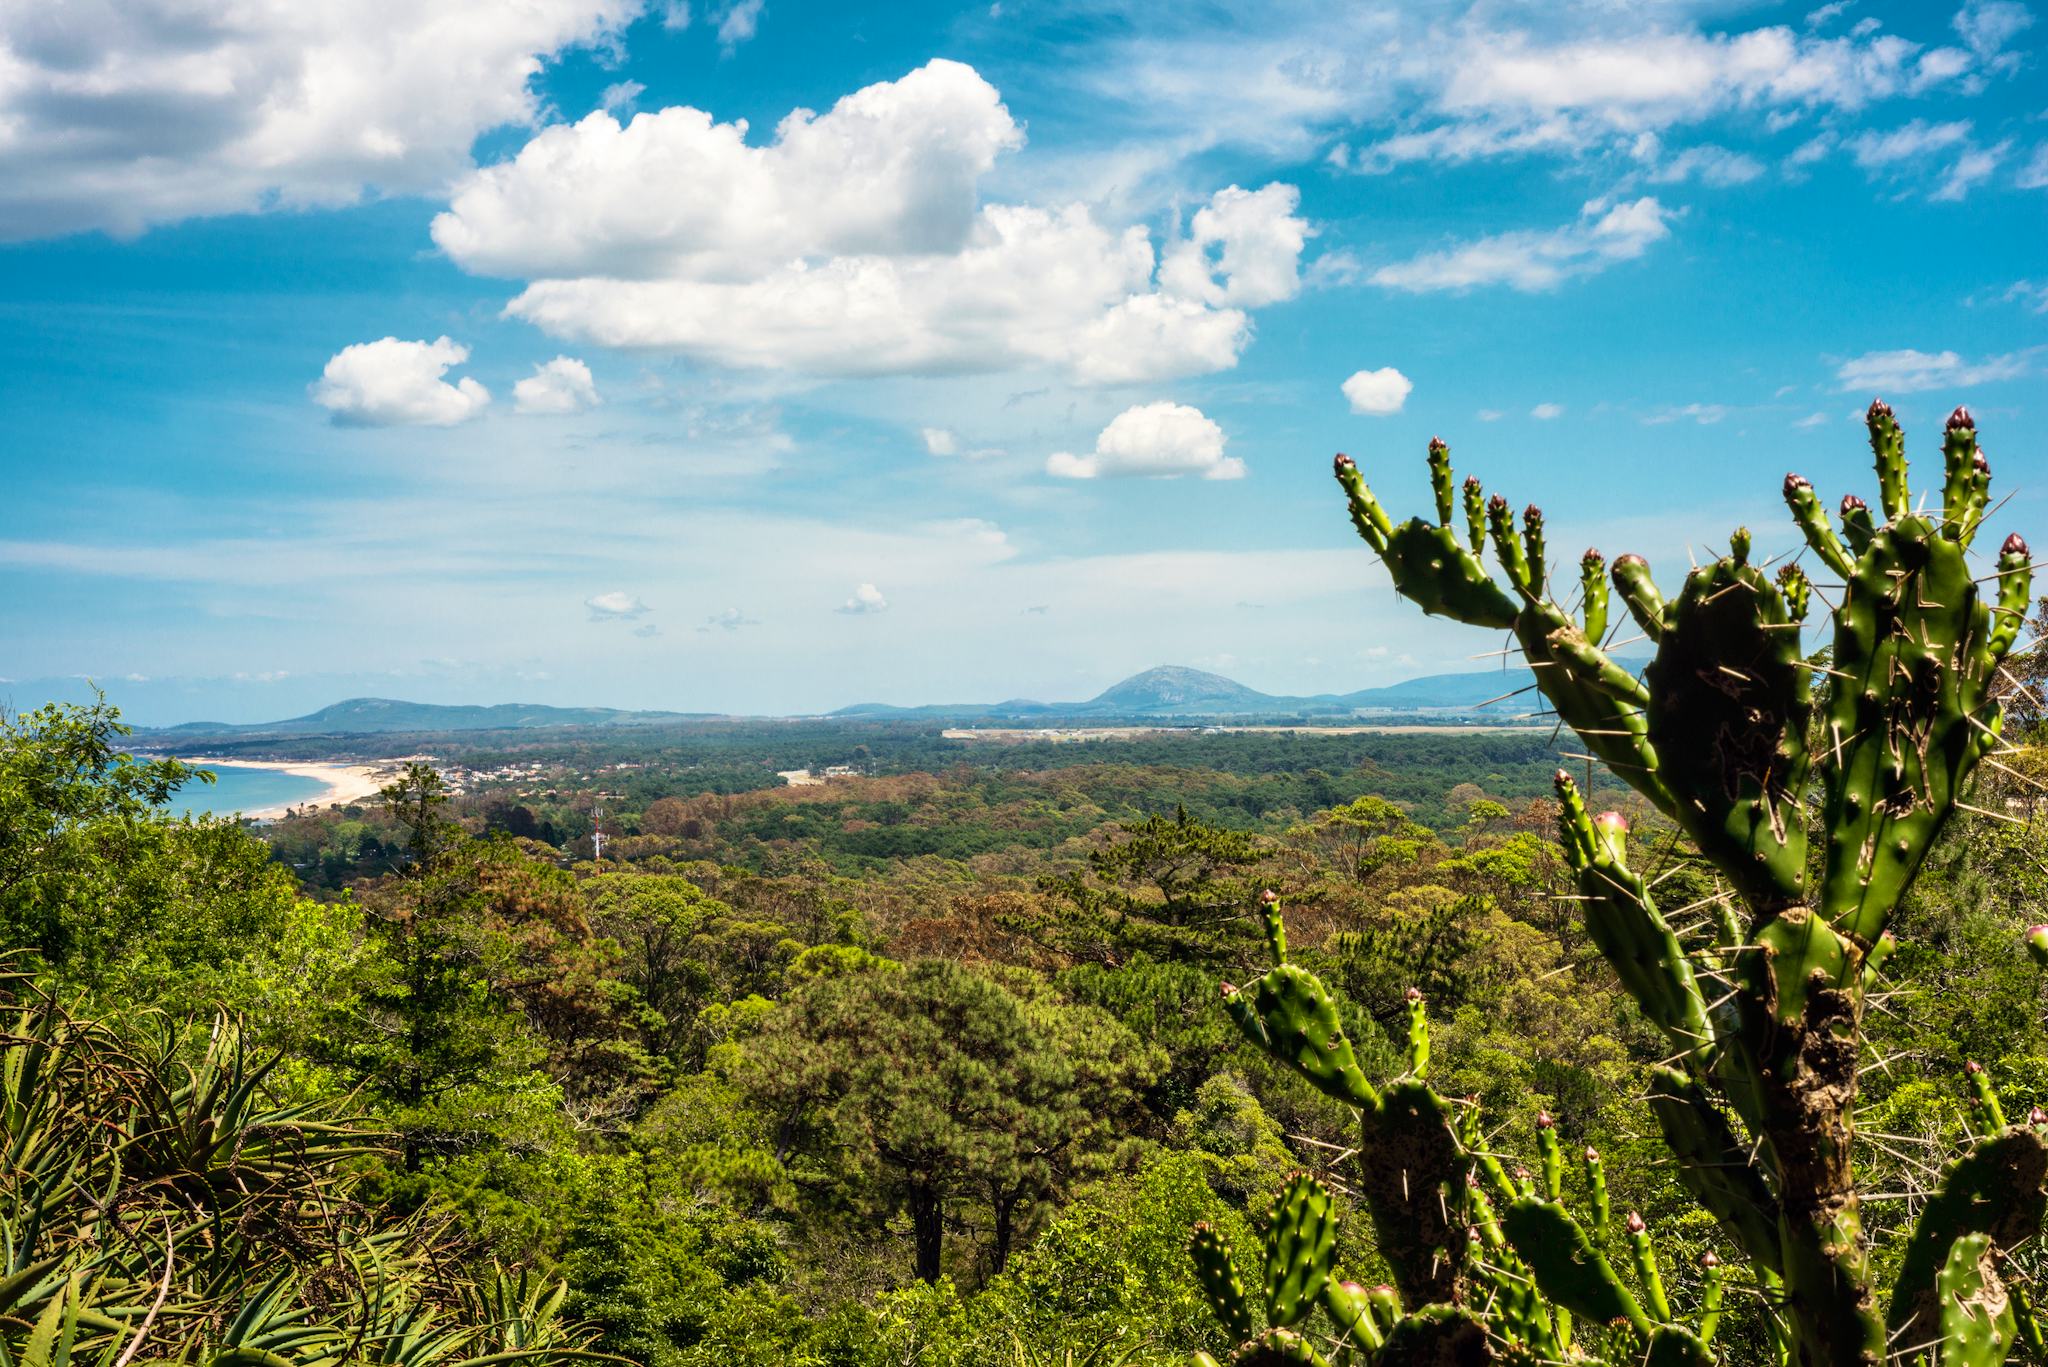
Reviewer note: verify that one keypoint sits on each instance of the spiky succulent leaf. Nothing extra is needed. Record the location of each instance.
(1977, 1327)
(1412, 1174)
(1908, 719)
(1301, 1238)
(1430, 566)
(1287, 1012)
(1568, 1268)
(1714, 1165)
(1995, 1190)
(1216, 1272)
(1727, 714)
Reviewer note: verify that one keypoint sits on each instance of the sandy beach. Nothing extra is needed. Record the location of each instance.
(345, 782)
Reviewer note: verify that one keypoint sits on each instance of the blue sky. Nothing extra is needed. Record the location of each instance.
(772, 356)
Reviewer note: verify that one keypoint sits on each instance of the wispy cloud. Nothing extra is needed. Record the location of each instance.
(1529, 261)
(1705, 414)
(1907, 371)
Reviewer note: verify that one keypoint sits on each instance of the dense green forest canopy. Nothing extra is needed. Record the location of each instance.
(923, 1065)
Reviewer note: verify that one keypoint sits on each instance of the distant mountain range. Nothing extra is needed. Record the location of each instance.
(1175, 691)
(1160, 693)
(1168, 693)
(378, 716)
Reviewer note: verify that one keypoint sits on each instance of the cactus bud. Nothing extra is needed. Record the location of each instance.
(2014, 545)
(2037, 1116)
(1708, 1259)
(1972, 1067)
(1635, 1223)
(1982, 464)
(1229, 990)
(1592, 1154)
(1497, 506)
(1738, 545)
(1414, 994)
(1343, 463)
(1878, 409)
(1439, 447)
(1612, 829)
(1959, 419)
(1851, 503)
(1795, 482)
(1544, 1120)
(1269, 897)
(1592, 558)
(2037, 944)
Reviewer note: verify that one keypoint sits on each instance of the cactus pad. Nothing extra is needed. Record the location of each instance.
(1301, 1238)
(1995, 1190)
(1727, 711)
(1288, 1013)
(1977, 1326)
(1217, 1273)
(1568, 1268)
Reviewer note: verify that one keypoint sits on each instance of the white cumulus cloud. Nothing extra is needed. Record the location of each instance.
(563, 385)
(892, 168)
(1160, 440)
(1545, 412)
(1251, 238)
(122, 114)
(392, 383)
(856, 243)
(1378, 392)
(616, 606)
(940, 441)
(1529, 260)
(866, 599)
(1908, 371)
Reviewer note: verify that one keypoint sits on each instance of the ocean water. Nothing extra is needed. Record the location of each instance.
(239, 789)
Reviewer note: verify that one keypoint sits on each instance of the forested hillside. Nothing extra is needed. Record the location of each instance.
(924, 1067)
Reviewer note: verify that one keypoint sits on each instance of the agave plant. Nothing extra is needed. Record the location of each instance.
(159, 1202)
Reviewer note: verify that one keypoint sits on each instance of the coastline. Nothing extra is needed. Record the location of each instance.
(346, 783)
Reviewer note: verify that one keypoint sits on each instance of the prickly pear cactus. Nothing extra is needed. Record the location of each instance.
(1977, 1328)
(1755, 1102)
